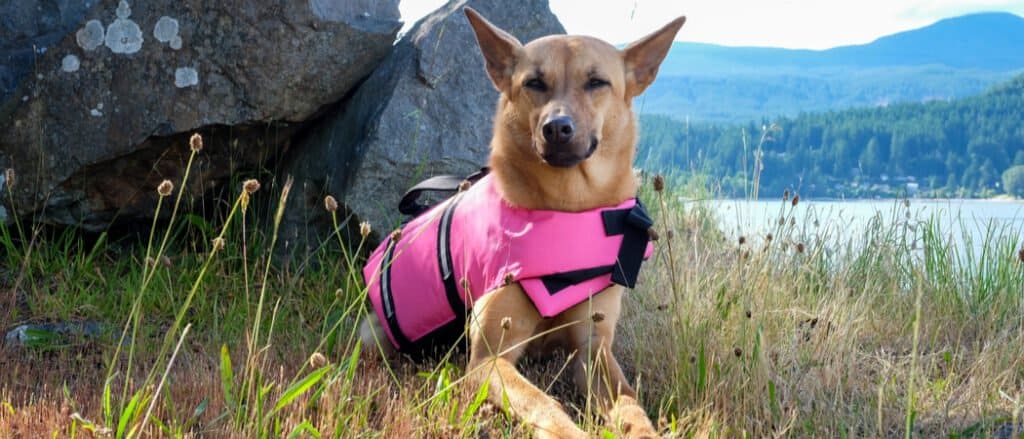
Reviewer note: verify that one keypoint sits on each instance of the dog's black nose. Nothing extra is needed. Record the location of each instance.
(558, 130)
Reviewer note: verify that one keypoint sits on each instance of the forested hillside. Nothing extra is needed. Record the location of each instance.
(955, 148)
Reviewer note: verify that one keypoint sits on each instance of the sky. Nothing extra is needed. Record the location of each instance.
(794, 24)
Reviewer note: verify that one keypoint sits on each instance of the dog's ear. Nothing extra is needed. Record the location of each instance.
(643, 57)
(499, 48)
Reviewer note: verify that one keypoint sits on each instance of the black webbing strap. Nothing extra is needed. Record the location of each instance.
(632, 223)
(445, 264)
(410, 205)
(560, 281)
(387, 297)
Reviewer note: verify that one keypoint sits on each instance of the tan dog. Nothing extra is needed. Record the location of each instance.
(564, 139)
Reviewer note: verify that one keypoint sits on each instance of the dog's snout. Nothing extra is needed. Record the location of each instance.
(558, 130)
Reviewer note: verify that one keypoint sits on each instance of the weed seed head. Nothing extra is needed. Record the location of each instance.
(218, 243)
(165, 188)
(659, 183)
(800, 247)
(509, 278)
(9, 178)
(506, 322)
(331, 204)
(652, 234)
(339, 294)
(796, 199)
(396, 235)
(166, 261)
(738, 352)
(365, 229)
(251, 186)
(1020, 255)
(195, 143)
(317, 360)
(785, 195)
(464, 185)
(769, 237)
(743, 240)
(598, 317)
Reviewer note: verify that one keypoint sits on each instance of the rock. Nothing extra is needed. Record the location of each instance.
(53, 335)
(426, 110)
(86, 116)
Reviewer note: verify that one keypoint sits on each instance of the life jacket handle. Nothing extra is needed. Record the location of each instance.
(410, 204)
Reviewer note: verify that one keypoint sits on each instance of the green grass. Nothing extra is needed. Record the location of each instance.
(896, 333)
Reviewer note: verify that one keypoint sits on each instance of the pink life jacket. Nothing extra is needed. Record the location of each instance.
(423, 279)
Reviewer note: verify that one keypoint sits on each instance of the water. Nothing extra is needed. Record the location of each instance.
(967, 224)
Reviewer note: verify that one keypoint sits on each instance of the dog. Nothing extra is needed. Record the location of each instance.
(564, 140)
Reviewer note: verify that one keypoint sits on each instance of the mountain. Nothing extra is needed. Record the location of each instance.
(951, 58)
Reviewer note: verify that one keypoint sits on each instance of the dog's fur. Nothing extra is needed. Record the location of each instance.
(564, 139)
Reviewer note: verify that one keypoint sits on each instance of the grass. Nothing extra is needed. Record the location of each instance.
(800, 334)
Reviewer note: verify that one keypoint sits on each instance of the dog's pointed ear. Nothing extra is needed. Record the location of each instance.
(500, 49)
(644, 56)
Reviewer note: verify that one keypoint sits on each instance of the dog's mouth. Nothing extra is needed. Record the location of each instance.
(565, 157)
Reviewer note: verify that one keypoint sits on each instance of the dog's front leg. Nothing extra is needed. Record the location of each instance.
(596, 369)
(502, 324)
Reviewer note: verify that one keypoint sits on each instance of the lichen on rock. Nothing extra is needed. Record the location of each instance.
(166, 29)
(124, 36)
(70, 63)
(123, 10)
(90, 36)
(186, 77)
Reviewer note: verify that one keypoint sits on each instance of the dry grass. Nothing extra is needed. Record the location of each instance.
(792, 336)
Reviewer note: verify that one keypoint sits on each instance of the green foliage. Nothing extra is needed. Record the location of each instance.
(1013, 181)
(942, 148)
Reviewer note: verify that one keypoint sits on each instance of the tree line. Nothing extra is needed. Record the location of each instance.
(958, 148)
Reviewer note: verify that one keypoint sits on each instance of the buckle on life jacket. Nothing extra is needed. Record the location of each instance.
(632, 224)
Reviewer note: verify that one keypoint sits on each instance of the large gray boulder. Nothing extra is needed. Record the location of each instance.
(426, 110)
(98, 112)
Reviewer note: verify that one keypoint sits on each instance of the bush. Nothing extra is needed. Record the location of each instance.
(1013, 181)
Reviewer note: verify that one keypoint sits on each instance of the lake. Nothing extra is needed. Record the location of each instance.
(966, 223)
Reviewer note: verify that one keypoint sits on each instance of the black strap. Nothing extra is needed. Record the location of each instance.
(410, 205)
(445, 264)
(632, 223)
(560, 281)
(387, 297)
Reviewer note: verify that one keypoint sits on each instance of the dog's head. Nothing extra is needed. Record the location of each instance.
(566, 100)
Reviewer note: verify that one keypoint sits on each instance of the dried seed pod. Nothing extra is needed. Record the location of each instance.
(658, 183)
(652, 234)
(165, 188)
(317, 360)
(195, 143)
(330, 204)
(250, 186)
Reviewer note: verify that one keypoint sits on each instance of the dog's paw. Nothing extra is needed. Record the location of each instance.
(630, 420)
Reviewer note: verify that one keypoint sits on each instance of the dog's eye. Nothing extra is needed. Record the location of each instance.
(536, 84)
(596, 83)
